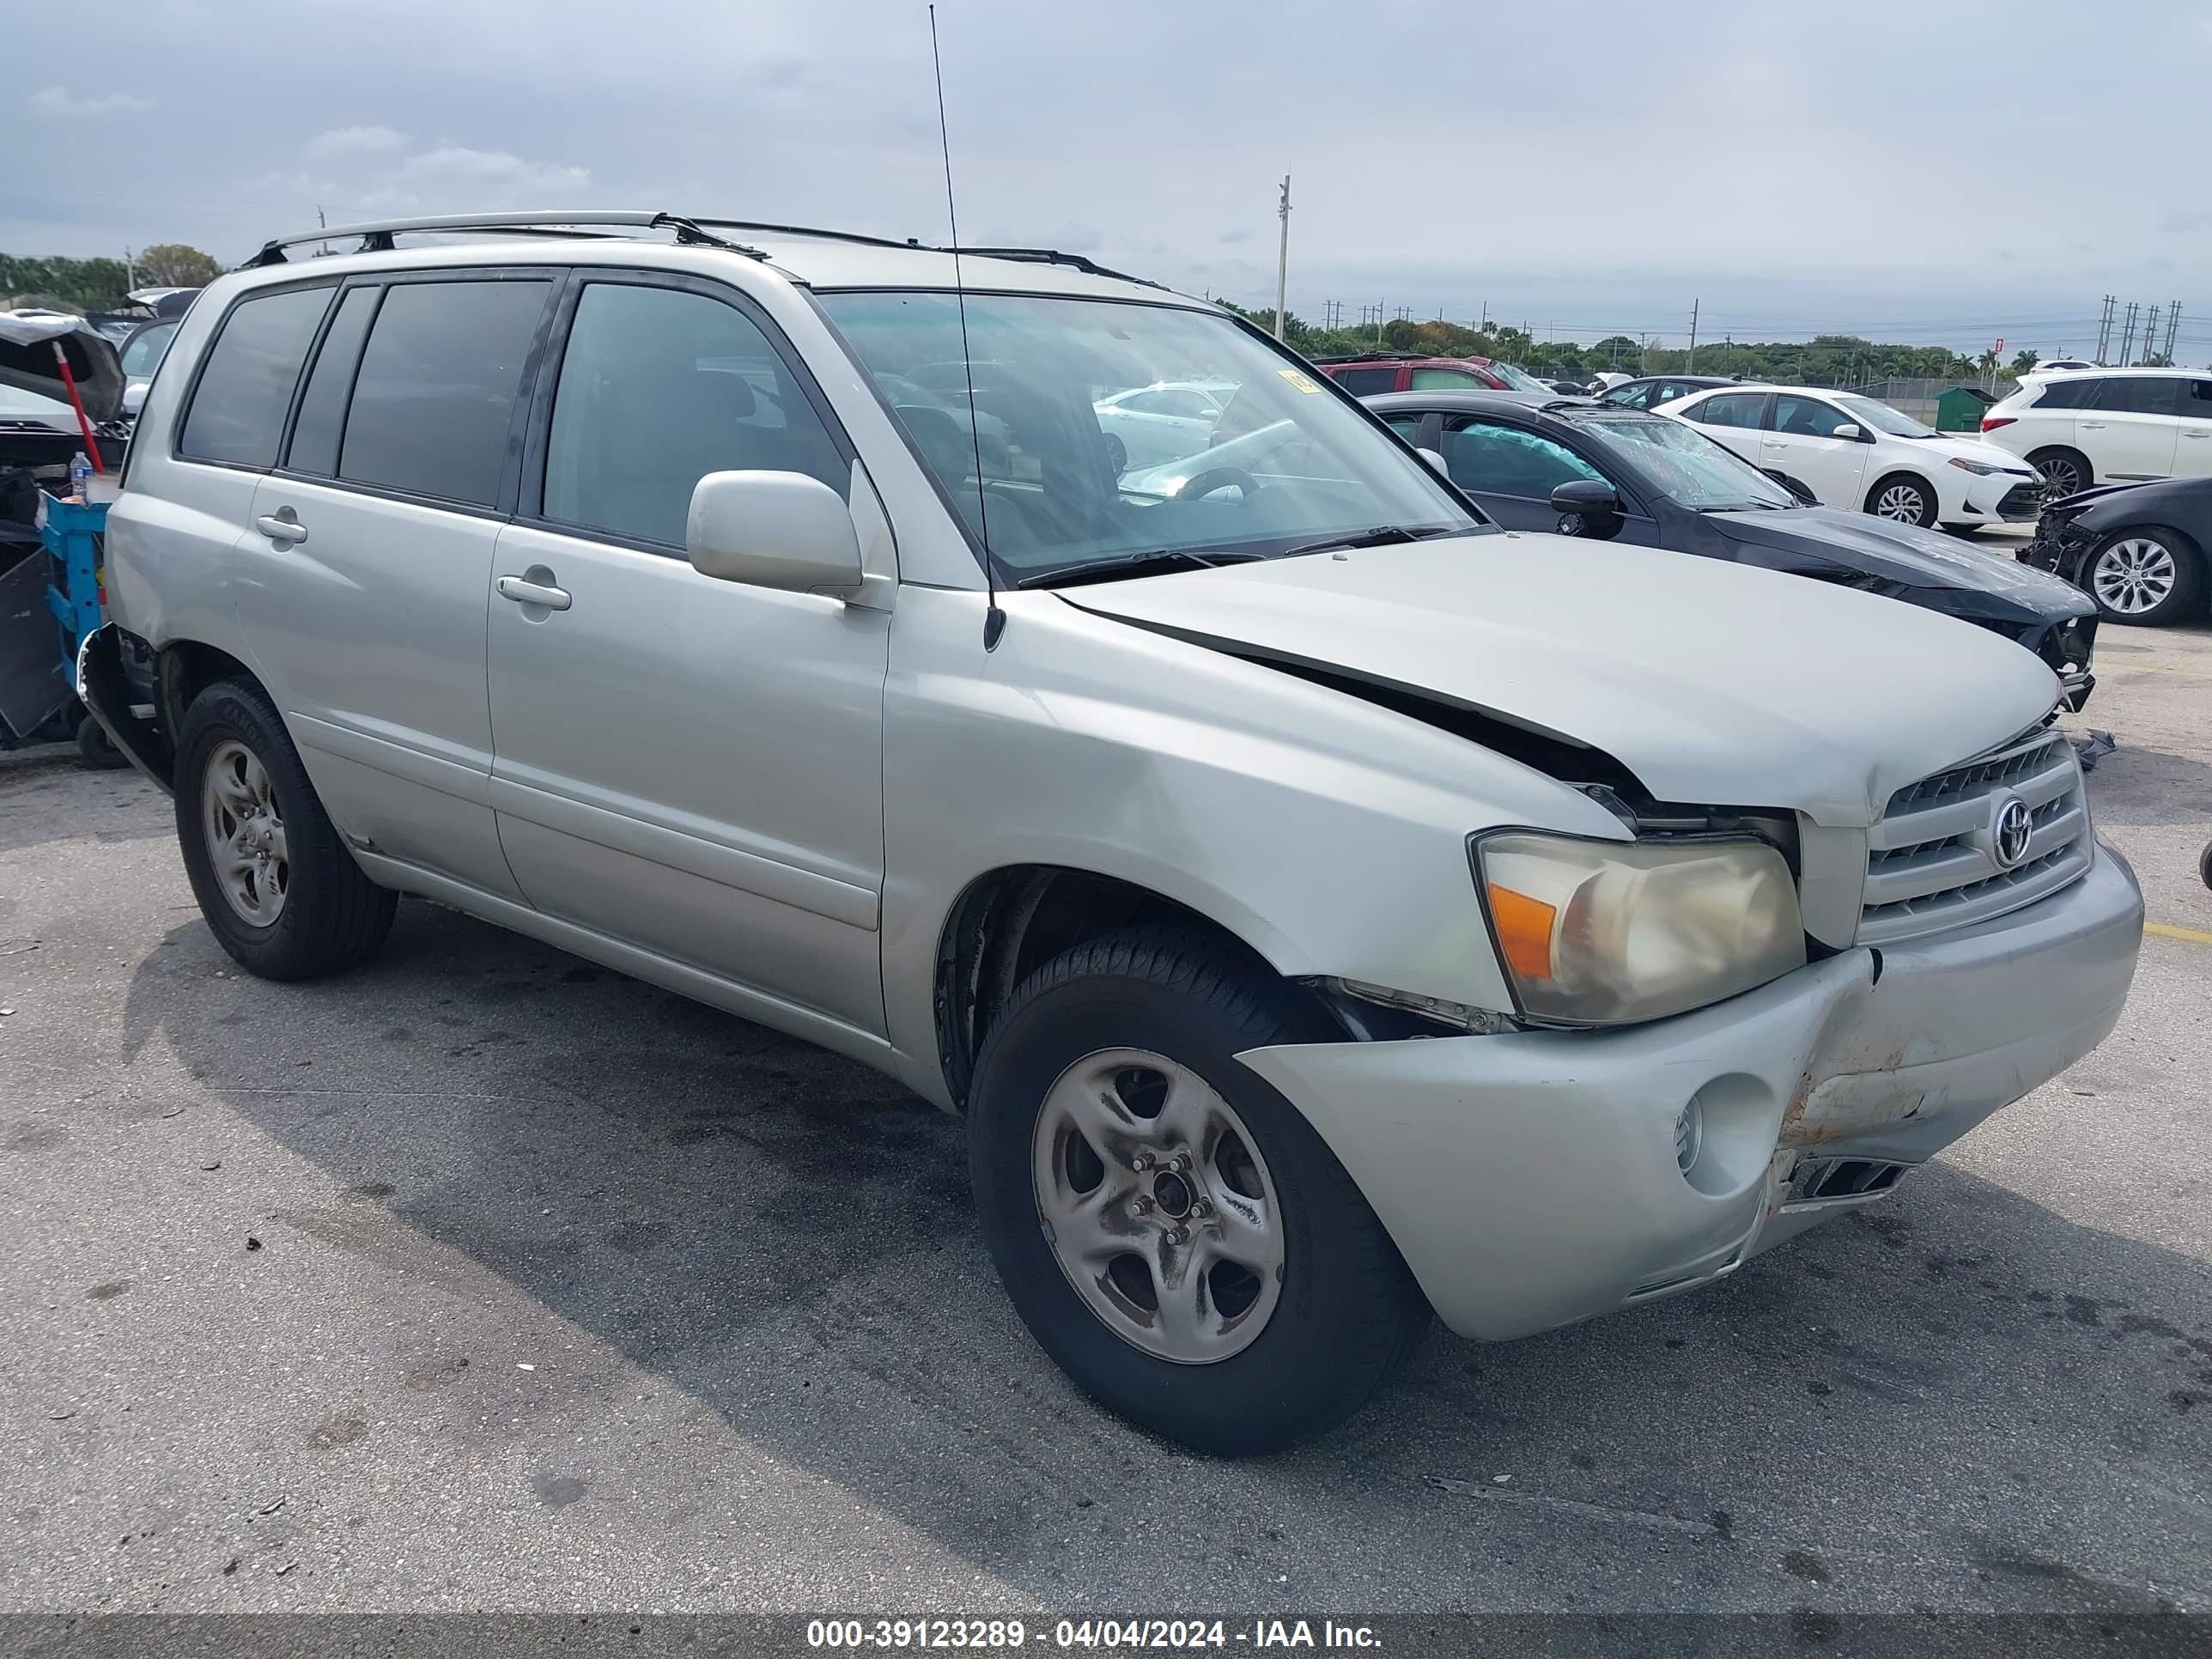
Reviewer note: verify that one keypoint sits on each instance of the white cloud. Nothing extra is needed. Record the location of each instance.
(59, 103)
(489, 174)
(355, 141)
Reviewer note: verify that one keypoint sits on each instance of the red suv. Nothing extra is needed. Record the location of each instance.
(1381, 371)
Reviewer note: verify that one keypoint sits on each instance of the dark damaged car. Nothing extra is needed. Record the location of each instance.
(2137, 550)
(1598, 470)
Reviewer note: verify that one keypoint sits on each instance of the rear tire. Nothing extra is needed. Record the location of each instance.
(279, 889)
(1256, 1365)
(2146, 576)
(1902, 499)
(2064, 471)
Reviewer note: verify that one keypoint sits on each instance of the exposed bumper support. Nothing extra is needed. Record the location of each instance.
(104, 687)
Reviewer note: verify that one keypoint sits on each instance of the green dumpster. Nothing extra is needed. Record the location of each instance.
(1960, 410)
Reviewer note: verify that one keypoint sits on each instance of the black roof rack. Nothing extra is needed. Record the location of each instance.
(376, 237)
(690, 231)
(1047, 256)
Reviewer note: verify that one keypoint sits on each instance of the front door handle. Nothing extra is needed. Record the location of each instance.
(2093, 426)
(530, 592)
(2205, 433)
(281, 525)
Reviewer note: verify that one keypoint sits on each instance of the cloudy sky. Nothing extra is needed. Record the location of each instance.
(1927, 172)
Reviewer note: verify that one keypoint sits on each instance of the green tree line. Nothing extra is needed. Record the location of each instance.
(102, 284)
(1826, 359)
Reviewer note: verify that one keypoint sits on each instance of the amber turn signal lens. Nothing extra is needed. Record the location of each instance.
(1524, 932)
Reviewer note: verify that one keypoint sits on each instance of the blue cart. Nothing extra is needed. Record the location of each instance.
(42, 687)
(74, 533)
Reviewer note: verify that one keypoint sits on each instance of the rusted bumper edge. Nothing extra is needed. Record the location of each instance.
(1533, 1179)
(103, 686)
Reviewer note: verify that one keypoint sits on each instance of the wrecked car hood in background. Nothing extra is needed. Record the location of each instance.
(1926, 559)
(1715, 684)
(28, 337)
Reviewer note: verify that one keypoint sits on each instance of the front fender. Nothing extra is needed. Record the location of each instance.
(1327, 833)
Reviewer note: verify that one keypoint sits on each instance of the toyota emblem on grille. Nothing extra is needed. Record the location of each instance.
(2010, 830)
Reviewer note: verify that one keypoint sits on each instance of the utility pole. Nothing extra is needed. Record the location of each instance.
(1283, 256)
(322, 223)
(129, 271)
(1378, 322)
(2128, 334)
(1690, 363)
(2105, 328)
(2150, 335)
(2173, 327)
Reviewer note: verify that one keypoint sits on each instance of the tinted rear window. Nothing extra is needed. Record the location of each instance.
(237, 410)
(322, 407)
(1359, 382)
(436, 394)
(2068, 394)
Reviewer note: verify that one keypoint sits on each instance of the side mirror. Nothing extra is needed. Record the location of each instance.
(1851, 432)
(780, 530)
(1443, 466)
(1594, 502)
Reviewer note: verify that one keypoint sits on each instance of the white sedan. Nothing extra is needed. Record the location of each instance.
(1853, 452)
(1151, 425)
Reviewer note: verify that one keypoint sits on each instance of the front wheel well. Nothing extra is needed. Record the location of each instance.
(1011, 922)
(1905, 475)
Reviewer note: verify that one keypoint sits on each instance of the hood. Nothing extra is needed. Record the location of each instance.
(1714, 683)
(27, 339)
(1990, 586)
(2189, 496)
(1942, 446)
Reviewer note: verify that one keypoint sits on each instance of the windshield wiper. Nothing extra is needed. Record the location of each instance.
(1381, 536)
(1136, 564)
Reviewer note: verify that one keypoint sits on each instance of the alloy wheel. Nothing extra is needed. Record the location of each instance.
(245, 833)
(1900, 501)
(2134, 575)
(1157, 1207)
(2060, 479)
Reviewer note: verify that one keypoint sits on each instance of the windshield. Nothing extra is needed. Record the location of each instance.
(1519, 378)
(1692, 470)
(147, 348)
(1075, 473)
(1882, 418)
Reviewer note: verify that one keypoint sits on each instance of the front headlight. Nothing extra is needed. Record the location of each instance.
(1980, 469)
(1603, 932)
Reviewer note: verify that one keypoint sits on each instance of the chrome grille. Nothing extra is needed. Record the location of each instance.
(1932, 863)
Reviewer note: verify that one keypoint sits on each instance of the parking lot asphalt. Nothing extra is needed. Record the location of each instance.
(485, 1278)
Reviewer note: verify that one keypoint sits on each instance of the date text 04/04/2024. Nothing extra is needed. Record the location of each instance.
(1090, 1635)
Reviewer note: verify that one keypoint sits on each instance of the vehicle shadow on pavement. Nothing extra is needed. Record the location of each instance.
(1938, 1400)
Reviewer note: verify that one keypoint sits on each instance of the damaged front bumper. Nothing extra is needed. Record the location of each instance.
(1537, 1178)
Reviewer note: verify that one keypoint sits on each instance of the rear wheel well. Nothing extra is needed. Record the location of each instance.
(185, 668)
(1013, 921)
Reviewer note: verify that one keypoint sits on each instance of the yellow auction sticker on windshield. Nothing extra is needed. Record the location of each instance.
(1299, 379)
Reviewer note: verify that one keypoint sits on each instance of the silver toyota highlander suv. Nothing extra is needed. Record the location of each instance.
(1324, 908)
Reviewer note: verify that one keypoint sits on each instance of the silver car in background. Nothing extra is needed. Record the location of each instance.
(1324, 908)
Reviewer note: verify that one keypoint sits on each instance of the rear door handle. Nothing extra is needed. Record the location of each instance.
(2093, 426)
(281, 525)
(528, 593)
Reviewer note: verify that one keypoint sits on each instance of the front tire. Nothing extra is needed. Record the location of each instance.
(1902, 499)
(1172, 1230)
(279, 889)
(2147, 576)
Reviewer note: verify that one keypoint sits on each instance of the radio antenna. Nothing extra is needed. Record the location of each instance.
(995, 620)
